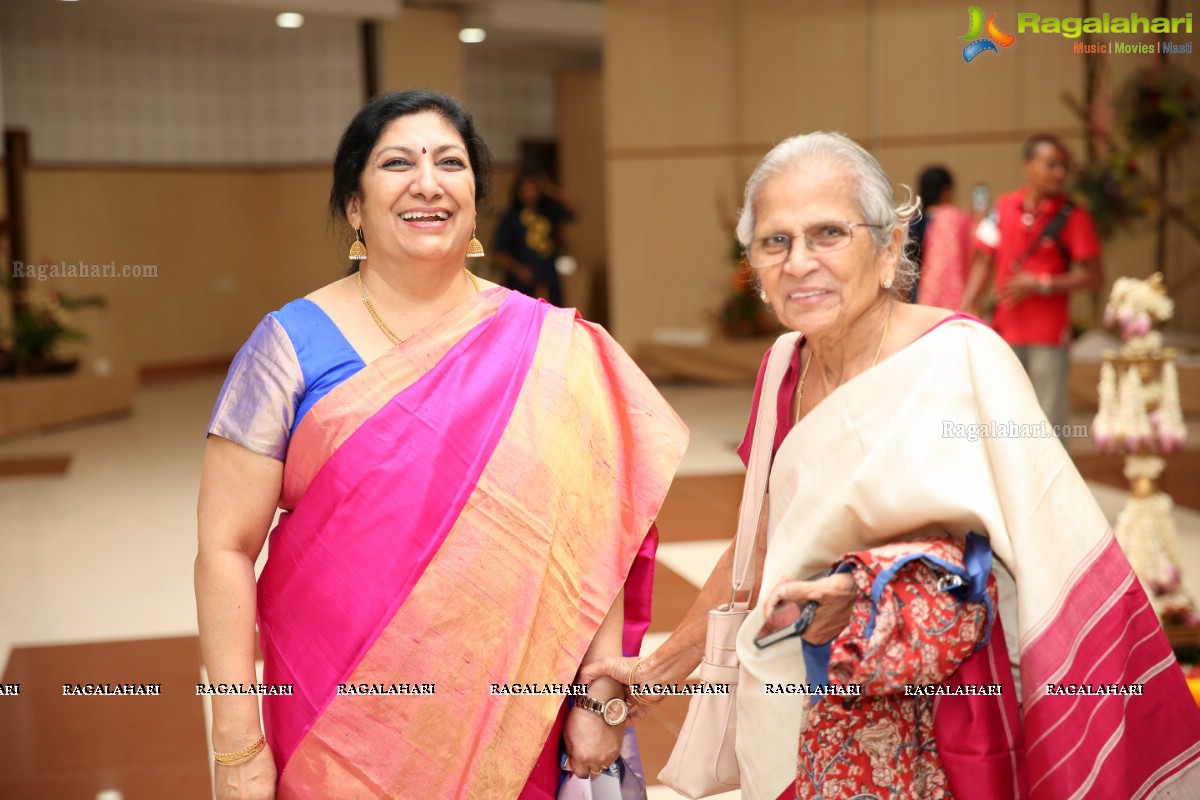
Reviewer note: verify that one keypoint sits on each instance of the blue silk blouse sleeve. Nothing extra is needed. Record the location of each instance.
(264, 387)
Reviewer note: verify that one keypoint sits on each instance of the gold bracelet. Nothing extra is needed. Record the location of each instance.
(633, 695)
(633, 673)
(241, 756)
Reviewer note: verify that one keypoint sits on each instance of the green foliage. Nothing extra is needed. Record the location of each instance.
(1159, 108)
(1114, 193)
(41, 324)
(1157, 111)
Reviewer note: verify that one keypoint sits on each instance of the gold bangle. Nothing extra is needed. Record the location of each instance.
(633, 673)
(633, 695)
(241, 756)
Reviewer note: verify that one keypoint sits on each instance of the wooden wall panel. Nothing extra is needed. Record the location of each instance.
(420, 50)
(891, 75)
(229, 246)
(580, 101)
(925, 86)
(670, 74)
(996, 162)
(1183, 265)
(230, 243)
(803, 67)
(668, 244)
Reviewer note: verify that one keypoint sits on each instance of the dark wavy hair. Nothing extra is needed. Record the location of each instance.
(514, 192)
(933, 181)
(363, 132)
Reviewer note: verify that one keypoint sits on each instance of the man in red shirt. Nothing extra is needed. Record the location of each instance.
(1042, 249)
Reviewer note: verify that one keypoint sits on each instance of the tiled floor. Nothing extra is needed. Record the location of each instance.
(102, 553)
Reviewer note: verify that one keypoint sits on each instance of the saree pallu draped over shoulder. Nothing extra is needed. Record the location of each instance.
(946, 435)
(466, 510)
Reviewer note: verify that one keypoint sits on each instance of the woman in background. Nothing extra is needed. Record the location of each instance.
(529, 238)
(945, 247)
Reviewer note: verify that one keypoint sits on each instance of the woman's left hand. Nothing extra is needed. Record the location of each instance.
(592, 744)
(835, 596)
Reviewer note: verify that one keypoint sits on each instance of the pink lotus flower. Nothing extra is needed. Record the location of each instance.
(1139, 325)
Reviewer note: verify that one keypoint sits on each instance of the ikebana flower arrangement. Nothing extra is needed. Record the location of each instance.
(1139, 388)
(1137, 305)
(1140, 416)
(41, 324)
(744, 314)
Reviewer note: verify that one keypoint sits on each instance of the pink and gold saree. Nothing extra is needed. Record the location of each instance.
(465, 511)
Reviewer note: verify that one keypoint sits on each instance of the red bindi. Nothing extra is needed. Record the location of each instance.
(422, 151)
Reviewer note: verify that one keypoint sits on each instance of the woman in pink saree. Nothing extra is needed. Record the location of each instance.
(469, 480)
(946, 245)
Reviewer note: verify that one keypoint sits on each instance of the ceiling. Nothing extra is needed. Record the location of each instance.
(556, 24)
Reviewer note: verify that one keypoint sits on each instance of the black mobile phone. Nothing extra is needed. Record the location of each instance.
(787, 620)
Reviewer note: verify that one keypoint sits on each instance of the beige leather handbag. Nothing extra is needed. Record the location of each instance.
(704, 761)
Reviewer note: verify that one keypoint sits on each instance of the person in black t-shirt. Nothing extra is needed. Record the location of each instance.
(529, 239)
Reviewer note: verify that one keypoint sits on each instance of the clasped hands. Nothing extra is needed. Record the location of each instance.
(592, 744)
(834, 594)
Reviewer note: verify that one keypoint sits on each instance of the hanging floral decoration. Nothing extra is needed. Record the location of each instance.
(1159, 108)
(1156, 110)
(1114, 192)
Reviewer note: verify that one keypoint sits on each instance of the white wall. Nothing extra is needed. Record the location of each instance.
(142, 88)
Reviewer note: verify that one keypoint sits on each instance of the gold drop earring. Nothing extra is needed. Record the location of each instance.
(474, 247)
(358, 250)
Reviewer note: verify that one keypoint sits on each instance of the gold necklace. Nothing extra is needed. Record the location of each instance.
(392, 337)
(800, 386)
(804, 372)
(879, 349)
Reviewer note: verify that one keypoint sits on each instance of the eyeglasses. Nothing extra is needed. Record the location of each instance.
(824, 237)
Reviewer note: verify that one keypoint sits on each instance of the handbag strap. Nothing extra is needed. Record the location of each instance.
(755, 489)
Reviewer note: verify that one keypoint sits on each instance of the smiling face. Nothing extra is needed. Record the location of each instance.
(417, 200)
(820, 294)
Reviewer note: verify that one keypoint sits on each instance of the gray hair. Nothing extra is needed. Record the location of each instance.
(876, 198)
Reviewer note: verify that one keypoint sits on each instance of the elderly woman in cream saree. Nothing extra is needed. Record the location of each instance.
(900, 423)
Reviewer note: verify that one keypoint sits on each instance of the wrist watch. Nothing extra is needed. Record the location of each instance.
(613, 712)
(1044, 286)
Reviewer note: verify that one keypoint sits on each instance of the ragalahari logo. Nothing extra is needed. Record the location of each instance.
(978, 45)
